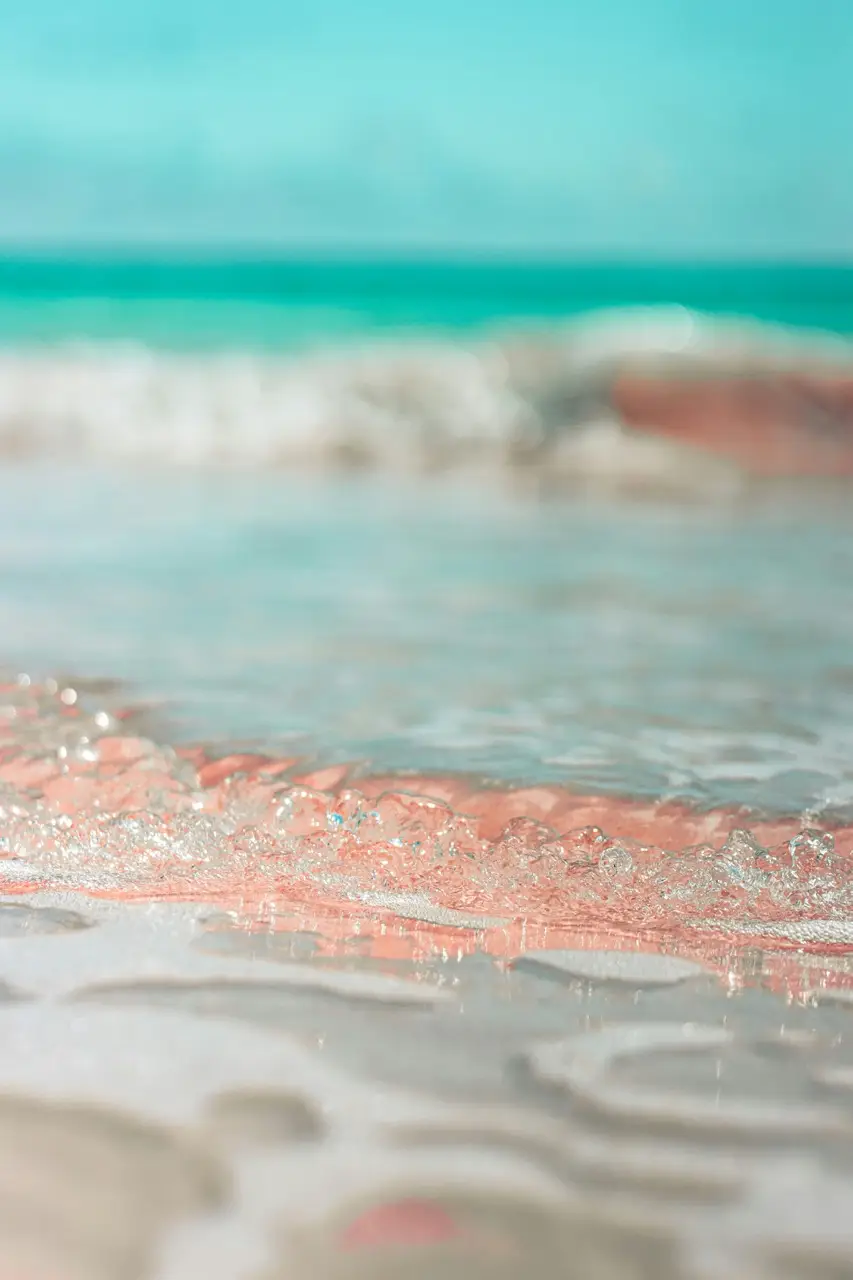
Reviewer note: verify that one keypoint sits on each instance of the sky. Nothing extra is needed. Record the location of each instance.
(648, 128)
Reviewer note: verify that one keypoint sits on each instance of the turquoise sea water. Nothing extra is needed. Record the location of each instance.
(249, 302)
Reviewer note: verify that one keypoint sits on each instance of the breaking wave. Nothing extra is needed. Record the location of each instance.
(537, 402)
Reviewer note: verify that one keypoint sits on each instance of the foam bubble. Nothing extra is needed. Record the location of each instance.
(134, 819)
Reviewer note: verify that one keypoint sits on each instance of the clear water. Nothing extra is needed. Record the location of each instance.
(636, 648)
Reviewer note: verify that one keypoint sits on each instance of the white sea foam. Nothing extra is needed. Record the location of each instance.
(540, 400)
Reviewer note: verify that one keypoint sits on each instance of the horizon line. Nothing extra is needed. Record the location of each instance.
(125, 253)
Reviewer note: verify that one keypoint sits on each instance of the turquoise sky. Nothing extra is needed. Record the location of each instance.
(649, 127)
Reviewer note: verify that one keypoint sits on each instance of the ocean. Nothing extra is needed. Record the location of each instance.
(426, 771)
(192, 302)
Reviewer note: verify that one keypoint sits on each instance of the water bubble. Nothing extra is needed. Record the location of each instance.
(403, 819)
(86, 752)
(302, 811)
(459, 838)
(740, 856)
(527, 835)
(584, 842)
(615, 862)
(348, 811)
(811, 847)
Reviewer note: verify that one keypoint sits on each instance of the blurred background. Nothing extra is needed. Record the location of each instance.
(279, 176)
(443, 385)
(651, 129)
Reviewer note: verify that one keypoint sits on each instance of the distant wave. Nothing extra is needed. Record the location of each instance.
(537, 403)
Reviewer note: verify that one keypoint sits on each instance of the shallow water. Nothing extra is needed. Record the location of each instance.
(648, 650)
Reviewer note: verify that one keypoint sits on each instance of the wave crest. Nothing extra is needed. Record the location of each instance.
(543, 404)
